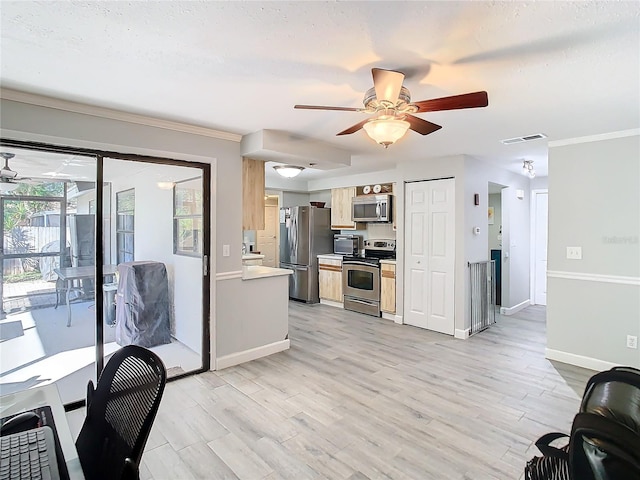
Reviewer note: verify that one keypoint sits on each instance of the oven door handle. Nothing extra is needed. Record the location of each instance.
(363, 302)
(364, 264)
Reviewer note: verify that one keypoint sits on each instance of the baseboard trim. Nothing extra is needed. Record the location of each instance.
(399, 320)
(251, 354)
(331, 303)
(594, 277)
(515, 308)
(578, 360)
(389, 316)
(229, 275)
(462, 334)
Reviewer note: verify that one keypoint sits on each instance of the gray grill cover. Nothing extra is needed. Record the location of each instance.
(142, 304)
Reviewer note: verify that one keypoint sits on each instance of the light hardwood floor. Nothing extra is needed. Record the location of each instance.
(358, 398)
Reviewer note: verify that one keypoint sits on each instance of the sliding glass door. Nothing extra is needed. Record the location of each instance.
(157, 237)
(63, 311)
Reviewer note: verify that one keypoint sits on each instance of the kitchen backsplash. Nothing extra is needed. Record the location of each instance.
(380, 230)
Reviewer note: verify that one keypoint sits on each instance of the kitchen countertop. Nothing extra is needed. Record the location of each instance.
(331, 255)
(252, 256)
(389, 261)
(251, 272)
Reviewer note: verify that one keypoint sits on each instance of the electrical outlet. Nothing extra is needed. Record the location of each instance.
(632, 341)
(226, 250)
(574, 253)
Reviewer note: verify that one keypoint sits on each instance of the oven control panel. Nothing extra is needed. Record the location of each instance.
(389, 245)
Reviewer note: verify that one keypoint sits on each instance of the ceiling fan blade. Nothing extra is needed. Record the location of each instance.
(387, 84)
(320, 107)
(353, 128)
(467, 100)
(421, 126)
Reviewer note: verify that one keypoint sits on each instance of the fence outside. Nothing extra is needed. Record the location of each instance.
(28, 240)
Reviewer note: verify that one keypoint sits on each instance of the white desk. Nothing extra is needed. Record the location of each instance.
(38, 397)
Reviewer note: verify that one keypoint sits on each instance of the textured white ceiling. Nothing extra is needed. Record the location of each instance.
(565, 69)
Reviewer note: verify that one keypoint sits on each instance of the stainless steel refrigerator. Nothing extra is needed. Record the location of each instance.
(305, 233)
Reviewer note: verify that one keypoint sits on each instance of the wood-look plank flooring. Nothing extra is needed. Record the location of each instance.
(358, 397)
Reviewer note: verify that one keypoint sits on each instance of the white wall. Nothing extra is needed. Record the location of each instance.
(295, 199)
(594, 203)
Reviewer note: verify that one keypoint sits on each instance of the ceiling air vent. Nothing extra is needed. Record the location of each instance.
(535, 136)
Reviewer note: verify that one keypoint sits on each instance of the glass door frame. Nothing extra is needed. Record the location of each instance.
(100, 155)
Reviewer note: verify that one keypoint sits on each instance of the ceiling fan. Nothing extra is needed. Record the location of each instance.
(9, 179)
(390, 104)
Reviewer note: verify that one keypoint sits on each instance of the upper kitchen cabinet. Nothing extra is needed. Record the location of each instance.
(252, 194)
(341, 209)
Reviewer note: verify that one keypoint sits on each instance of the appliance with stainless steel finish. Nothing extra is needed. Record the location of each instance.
(305, 233)
(361, 277)
(346, 244)
(372, 208)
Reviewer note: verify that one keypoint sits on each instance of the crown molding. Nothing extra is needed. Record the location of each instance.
(595, 138)
(66, 105)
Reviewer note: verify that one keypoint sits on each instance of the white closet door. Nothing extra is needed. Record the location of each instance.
(430, 255)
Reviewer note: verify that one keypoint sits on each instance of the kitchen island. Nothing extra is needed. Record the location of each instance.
(253, 320)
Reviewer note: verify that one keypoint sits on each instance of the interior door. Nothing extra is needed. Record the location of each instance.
(430, 255)
(267, 240)
(541, 200)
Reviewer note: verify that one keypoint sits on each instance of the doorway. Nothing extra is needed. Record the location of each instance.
(267, 239)
(430, 254)
(539, 215)
(494, 233)
(59, 305)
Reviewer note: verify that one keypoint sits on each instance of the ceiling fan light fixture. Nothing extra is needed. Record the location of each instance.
(527, 168)
(288, 171)
(386, 131)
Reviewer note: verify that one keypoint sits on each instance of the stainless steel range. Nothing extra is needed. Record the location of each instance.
(361, 277)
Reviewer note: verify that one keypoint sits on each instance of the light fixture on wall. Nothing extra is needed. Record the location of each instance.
(527, 168)
(386, 129)
(288, 171)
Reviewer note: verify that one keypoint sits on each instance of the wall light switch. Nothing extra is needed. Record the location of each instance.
(574, 253)
(632, 341)
(226, 250)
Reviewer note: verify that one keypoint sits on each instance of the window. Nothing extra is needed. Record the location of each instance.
(187, 217)
(125, 210)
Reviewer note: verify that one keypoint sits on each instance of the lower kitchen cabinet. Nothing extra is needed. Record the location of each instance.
(388, 287)
(330, 273)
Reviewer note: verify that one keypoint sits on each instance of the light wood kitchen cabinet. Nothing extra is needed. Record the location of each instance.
(252, 194)
(330, 273)
(388, 287)
(341, 209)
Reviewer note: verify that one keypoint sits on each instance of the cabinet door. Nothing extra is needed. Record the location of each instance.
(330, 279)
(341, 208)
(252, 194)
(388, 288)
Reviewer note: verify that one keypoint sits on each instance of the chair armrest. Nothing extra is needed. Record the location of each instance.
(90, 390)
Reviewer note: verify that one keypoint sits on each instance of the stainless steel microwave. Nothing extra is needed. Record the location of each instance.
(372, 208)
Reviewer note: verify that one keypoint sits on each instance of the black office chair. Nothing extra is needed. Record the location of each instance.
(120, 413)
